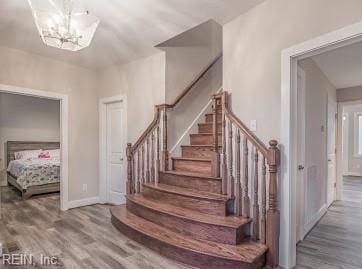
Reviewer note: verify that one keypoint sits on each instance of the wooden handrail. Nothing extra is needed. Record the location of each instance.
(159, 108)
(195, 81)
(262, 148)
(149, 129)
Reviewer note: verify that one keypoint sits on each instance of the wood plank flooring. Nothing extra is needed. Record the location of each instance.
(80, 238)
(336, 242)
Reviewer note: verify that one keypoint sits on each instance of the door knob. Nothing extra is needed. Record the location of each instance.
(121, 159)
(300, 167)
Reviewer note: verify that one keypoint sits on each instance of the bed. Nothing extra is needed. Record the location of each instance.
(33, 176)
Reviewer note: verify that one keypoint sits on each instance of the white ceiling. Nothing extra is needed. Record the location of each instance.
(129, 29)
(342, 66)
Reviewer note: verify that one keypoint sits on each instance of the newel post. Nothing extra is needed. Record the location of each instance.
(273, 214)
(130, 184)
(164, 140)
(215, 131)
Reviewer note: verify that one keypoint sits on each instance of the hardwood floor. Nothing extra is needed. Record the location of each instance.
(80, 238)
(336, 242)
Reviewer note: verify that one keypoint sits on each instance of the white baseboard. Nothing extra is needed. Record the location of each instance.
(314, 220)
(83, 202)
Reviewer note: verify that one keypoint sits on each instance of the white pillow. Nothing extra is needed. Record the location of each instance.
(53, 153)
(27, 154)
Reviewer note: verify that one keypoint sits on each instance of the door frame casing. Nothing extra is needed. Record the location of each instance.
(103, 184)
(64, 125)
(301, 157)
(289, 57)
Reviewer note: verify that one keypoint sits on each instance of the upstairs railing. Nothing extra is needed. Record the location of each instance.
(247, 167)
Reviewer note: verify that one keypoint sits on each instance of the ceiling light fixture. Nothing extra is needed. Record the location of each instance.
(62, 25)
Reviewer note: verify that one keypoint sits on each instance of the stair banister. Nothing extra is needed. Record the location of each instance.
(265, 225)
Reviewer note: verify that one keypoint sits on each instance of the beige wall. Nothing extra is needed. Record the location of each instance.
(252, 52)
(143, 81)
(22, 69)
(24, 118)
(349, 94)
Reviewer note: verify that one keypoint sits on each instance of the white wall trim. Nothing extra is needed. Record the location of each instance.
(83, 202)
(102, 141)
(326, 42)
(64, 125)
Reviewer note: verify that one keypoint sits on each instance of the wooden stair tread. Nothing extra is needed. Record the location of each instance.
(189, 174)
(205, 146)
(204, 134)
(211, 114)
(229, 221)
(246, 252)
(191, 159)
(201, 195)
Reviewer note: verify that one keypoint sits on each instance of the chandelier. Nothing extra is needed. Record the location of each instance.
(62, 25)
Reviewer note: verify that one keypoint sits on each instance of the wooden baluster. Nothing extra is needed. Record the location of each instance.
(273, 214)
(138, 186)
(143, 166)
(245, 187)
(130, 182)
(223, 164)
(158, 155)
(230, 191)
(223, 137)
(153, 157)
(215, 147)
(256, 198)
(165, 141)
(263, 202)
(238, 184)
(148, 174)
(133, 174)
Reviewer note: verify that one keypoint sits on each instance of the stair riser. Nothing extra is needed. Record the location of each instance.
(212, 207)
(198, 139)
(197, 152)
(199, 167)
(218, 234)
(182, 255)
(207, 128)
(201, 184)
(210, 117)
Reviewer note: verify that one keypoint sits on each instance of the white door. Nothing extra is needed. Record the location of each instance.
(116, 180)
(301, 177)
(331, 140)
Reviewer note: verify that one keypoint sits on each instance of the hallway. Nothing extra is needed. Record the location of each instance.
(336, 241)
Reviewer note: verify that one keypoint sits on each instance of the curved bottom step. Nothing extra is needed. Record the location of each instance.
(203, 254)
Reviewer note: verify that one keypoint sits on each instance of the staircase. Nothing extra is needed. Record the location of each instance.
(195, 212)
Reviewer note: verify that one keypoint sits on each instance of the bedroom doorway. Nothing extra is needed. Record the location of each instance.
(113, 139)
(30, 135)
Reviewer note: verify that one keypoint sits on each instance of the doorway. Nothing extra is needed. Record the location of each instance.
(289, 138)
(113, 161)
(63, 137)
